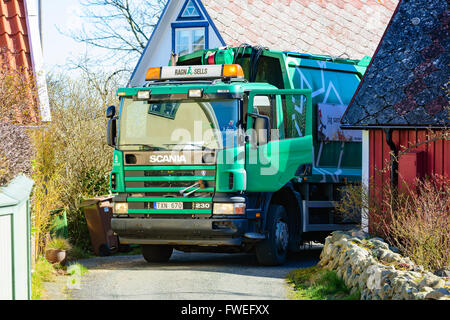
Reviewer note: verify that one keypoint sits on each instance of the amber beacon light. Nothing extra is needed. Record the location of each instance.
(232, 71)
(153, 74)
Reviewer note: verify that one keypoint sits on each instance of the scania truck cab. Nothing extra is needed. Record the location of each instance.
(228, 151)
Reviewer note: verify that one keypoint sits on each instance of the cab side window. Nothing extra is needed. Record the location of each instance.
(294, 115)
(266, 106)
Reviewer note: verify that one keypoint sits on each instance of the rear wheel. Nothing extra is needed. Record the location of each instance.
(153, 253)
(273, 250)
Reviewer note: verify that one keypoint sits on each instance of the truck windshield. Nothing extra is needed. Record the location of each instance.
(178, 125)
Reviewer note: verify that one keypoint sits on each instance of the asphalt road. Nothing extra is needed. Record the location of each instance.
(196, 276)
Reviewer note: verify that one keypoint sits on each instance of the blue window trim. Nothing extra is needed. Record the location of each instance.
(200, 17)
(183, 25)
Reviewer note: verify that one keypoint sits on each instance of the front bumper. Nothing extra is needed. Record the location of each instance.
(201, 232)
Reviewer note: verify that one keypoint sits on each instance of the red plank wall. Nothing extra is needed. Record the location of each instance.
(436, 154)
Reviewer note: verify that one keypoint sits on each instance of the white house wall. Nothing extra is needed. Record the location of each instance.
(159, 47)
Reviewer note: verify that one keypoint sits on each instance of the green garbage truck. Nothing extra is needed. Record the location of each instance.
(234, 150)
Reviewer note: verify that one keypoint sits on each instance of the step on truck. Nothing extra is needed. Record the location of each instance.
(234, 150)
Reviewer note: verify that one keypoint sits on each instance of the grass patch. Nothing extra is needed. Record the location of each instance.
(43, 272)
(315, 283)
(77, 268)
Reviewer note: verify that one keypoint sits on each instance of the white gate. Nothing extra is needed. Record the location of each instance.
(15, 253)
(6, 258)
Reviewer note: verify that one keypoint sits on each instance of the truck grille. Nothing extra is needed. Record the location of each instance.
(148, 186)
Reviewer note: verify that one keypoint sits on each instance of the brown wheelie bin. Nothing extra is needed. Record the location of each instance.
(98, 213)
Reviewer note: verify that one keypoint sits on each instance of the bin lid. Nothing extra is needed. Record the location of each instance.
(93, 201)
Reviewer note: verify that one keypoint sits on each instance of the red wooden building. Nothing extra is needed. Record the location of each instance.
(404, 97)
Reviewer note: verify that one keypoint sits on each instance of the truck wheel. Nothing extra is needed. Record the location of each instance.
(153, 253)
(104, 250)
(273, 250)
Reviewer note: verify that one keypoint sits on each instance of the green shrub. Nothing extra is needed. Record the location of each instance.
(58, 244)
(77, 253)
(43, 272)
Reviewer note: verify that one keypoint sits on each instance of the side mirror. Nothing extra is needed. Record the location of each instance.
(111, 112)
(111, 132)
(261, 127)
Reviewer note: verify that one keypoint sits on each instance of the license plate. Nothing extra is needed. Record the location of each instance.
(169, 205)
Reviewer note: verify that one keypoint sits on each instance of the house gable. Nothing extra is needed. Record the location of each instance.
(184, 26)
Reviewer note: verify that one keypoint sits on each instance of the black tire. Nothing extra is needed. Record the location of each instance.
(104, 250)
(273, 250)
(154, 253)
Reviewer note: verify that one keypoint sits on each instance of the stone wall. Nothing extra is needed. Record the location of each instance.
(379, 271)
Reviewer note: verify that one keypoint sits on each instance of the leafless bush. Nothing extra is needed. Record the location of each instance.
(16, 152)
(415, 220)
(17, 96)
(420, 224)
(17, 91)
(72, 155)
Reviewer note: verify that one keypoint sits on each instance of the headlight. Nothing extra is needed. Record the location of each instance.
(143, 95)
(229, 208)
(120, 208)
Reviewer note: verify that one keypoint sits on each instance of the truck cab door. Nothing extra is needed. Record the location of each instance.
(279, 137)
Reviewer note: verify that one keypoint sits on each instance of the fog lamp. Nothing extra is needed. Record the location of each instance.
(143, 95)
(120, 208)
(195, 93)
(229, 208)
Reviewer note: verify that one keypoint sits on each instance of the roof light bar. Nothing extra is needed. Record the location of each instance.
(195, 72)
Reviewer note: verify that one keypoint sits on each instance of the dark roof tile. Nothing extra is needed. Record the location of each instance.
(404, 84)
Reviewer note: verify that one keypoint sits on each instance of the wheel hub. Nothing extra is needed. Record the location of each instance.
(281, 235)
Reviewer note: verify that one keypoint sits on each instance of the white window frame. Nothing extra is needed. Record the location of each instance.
(191, 43)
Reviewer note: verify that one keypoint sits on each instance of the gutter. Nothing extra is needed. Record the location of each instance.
(383, 127)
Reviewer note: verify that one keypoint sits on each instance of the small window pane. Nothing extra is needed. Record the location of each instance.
(294, 115)
(190, 11)
(189, 40)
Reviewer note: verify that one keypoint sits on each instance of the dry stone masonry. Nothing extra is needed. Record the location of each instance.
(379, 271)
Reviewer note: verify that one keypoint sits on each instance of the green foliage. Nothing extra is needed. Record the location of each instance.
(76, 267)
(315, 283)
(77, 253)
(43, 272)
(58, 244)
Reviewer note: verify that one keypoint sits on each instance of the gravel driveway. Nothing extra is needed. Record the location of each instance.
(197, 276)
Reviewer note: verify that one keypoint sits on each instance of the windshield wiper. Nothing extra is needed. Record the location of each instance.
(144, 147)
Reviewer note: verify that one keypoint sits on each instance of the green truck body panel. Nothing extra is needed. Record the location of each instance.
(302, 88)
